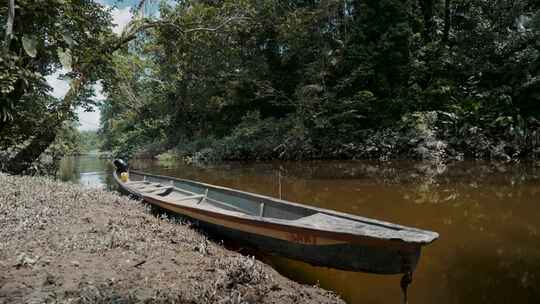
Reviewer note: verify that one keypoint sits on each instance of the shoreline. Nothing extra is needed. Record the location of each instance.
(64, 243)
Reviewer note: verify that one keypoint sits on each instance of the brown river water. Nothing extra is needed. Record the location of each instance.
(487, 215)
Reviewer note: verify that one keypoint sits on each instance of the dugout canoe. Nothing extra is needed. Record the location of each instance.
(317, 236)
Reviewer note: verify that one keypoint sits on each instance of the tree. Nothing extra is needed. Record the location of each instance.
(76, 34)
(40, 38)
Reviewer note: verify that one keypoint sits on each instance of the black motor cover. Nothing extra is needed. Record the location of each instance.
(121, 166)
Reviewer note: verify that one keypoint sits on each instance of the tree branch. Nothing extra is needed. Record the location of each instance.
(152, 24)
(227, 21)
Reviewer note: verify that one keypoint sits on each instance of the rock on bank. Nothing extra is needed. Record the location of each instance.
(62, 243)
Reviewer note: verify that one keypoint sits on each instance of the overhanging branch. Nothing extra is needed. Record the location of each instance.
(131, 33)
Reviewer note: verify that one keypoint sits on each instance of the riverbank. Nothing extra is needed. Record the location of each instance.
(427, 136)
(63, 243)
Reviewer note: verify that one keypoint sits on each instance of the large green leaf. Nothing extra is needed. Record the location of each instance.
(30, 45)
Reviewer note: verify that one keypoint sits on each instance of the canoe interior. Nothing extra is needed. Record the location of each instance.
(224, 200)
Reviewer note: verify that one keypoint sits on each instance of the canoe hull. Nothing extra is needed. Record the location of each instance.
(372, 256)
(347, 257)
(319, 248)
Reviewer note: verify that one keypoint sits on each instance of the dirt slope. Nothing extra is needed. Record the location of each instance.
(64, 244)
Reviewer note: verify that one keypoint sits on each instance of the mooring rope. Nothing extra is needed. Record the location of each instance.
(406, 280)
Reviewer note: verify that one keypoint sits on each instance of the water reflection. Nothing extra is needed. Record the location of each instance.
(486, 213)
(89, 171)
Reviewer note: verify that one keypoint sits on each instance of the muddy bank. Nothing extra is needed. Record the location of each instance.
(61, 243)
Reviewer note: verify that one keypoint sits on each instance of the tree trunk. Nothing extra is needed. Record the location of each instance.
(46, 136)
(22, 161)
(429, 23)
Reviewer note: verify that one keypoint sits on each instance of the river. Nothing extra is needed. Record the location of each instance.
(487, 215)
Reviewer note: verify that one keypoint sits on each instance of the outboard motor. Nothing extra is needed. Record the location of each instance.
(121, 166)
(121, 169)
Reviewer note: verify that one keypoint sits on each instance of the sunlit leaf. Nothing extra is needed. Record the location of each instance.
(65, 59)
(30, 45)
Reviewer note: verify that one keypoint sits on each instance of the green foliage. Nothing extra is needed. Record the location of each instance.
(88, 142)
(47, 35)
(250, 79)
(246, 79)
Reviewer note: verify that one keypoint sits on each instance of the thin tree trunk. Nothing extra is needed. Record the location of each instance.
(447, 21)
(9, 23)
